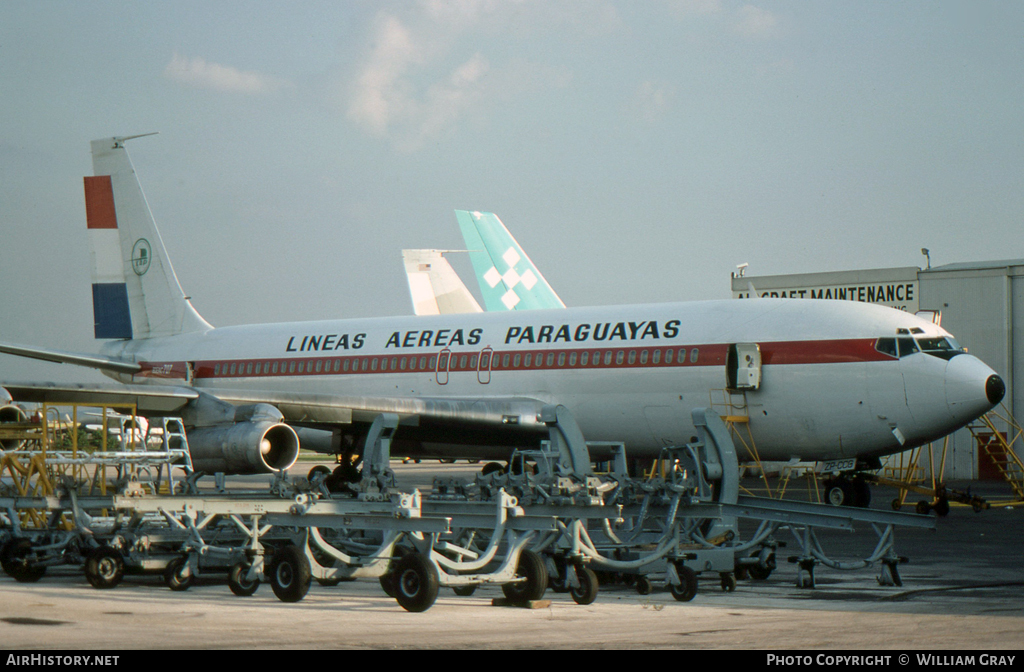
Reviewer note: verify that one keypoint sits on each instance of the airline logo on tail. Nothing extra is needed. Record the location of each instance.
(508, 278)
(135, 293)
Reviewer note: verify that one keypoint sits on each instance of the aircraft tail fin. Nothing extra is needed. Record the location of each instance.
(508, 278)
(434, 286)
(135, 292)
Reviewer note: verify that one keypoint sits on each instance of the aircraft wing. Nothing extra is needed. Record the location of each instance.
(298, 408)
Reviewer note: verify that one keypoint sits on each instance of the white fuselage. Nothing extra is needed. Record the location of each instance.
(627, 373)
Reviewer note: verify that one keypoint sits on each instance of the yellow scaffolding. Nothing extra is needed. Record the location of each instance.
(999, 448)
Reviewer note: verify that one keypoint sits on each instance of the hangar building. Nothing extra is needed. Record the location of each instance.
(980, 303)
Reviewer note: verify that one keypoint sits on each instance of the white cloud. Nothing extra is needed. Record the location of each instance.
(201, 73)
(755, 21)
(426, 69)
(651, 100)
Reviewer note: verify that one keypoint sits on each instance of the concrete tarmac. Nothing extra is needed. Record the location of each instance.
(962, 589)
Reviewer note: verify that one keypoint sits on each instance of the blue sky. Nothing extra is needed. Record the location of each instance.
(638, 150)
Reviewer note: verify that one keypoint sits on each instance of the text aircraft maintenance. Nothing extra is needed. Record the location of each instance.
(822, 380)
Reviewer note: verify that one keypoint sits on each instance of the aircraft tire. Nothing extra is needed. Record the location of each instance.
(415, 583)
(531, 566)
(105, 568)
(289, 573)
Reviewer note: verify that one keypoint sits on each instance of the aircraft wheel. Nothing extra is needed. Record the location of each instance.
(14, 560)
(861, 493)
(289, 574)
(491, 467)
(839, 492)
(320, 471)
(104, 568)
(237, 582)
(687, 589)
(531, 566)
(644, 585)
(415, 582)
(587, 592)
(178, 576)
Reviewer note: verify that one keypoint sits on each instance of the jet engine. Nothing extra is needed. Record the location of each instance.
(231, 439)
(11, 414)
(243, 447)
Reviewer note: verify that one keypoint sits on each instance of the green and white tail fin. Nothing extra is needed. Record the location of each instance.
(135, 292)
(508, 279)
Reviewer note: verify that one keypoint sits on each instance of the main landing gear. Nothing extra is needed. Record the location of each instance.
(846, 491)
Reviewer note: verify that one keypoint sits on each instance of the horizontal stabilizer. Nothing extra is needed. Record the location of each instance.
(61, 357)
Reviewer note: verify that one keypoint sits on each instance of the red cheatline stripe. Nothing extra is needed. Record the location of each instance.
(99, 203)
(779, 353)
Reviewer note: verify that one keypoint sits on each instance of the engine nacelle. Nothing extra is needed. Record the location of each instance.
(12, 414)
(243, 447)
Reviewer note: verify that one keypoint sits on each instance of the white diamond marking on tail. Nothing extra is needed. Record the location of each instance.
(511, 257)
(510, 299)
(529, 279)
(511, 278)
(492, 277)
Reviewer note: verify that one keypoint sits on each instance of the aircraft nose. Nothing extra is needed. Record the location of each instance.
(972, 388)
(995, 389)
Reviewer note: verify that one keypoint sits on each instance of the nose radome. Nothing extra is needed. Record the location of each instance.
(995, 389)
(972, 387)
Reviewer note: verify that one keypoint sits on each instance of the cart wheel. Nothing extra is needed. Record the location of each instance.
(687, 589)
(942, 507)
(728, 582)
(289, 574)
(644, 585)
(760, 573)
(415, 582)
(923, 507)
(177, 576)
(240, 585)
(104, 568)
(531, 566)
(464, 591)
(587, 592)
(14, 560)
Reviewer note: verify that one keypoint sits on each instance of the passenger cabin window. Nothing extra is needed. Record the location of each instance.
(693, 355)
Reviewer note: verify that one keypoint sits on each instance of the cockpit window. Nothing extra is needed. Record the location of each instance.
(944, 347)
(886, 346)
(907, 346)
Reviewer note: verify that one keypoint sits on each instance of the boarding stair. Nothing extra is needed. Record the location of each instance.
(999, 448)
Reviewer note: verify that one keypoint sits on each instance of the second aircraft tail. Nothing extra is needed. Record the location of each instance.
(508, 279)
